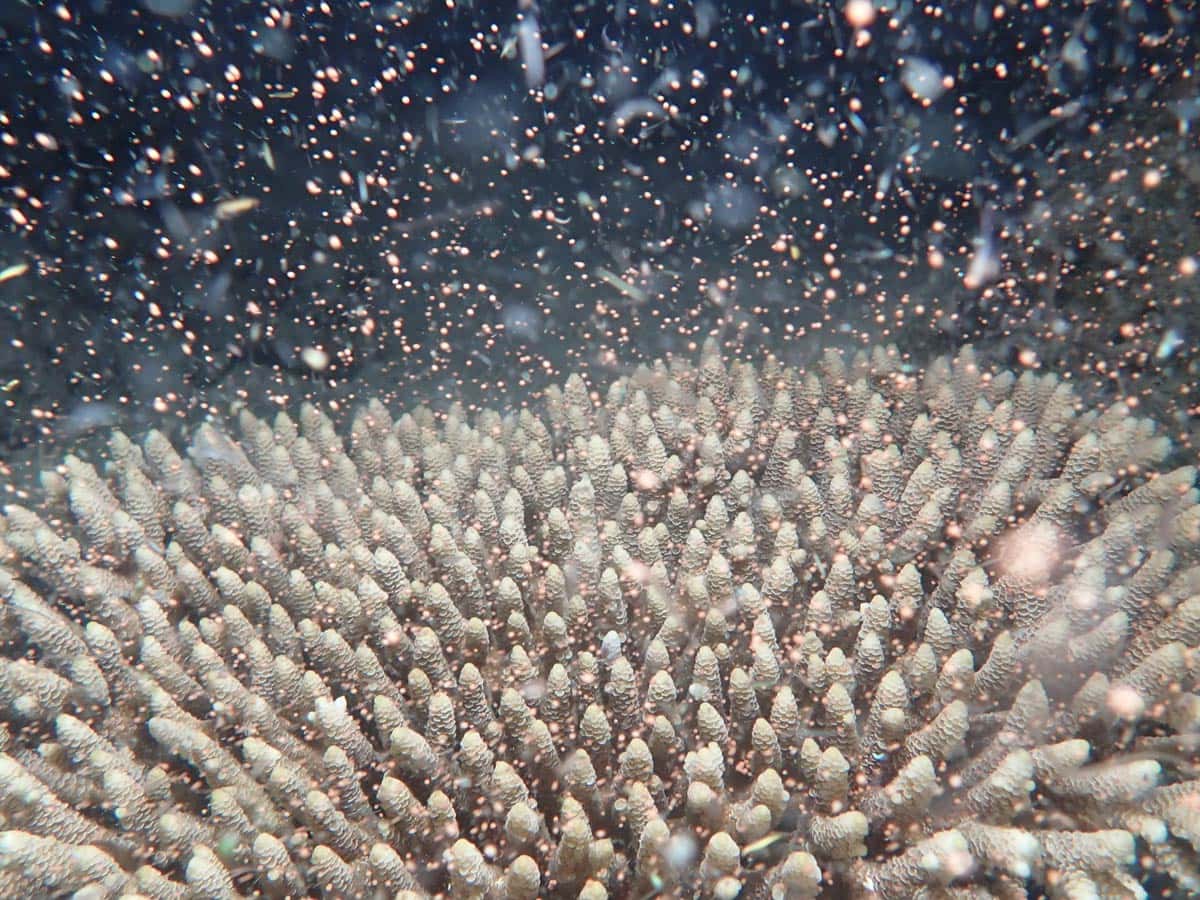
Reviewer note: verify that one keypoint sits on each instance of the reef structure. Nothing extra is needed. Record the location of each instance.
(724, 630)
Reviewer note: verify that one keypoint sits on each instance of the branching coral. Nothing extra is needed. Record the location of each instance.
(731, 630)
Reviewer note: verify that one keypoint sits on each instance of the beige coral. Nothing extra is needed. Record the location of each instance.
(732, 630)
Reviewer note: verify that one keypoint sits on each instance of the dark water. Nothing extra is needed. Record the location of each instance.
(435, 199)
(208, 204)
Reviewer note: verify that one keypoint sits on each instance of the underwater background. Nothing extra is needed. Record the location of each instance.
(599, 448)
(431, 196)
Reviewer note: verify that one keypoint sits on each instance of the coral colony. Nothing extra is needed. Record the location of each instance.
(712, 630)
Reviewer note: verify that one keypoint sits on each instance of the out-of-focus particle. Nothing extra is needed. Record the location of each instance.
(529, 39)
(787, 182)
(610, 646)
(1125, 702)
(315, 358)
(763, 843)
(706, 17)
(1171, 341)
(86, 418)
(16, 270)
(984, 267)
(1074, 54)
(1186, 111)
(681, 851)
(171, 9)
(860, 13)
(234, 207)
(922, 79)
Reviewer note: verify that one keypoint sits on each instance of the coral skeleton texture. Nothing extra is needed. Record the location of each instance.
(724, 630)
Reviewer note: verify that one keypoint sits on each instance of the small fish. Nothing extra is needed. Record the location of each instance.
(876, 253)
(632, 109)
(529, 42)
(629, 290)
(86, 417)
